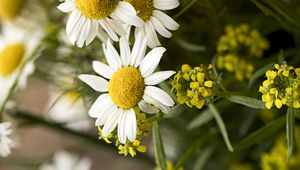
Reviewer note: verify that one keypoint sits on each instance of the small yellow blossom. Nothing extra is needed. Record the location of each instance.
(132, 148)
(236, 47)
(193, 86)
(281, 87)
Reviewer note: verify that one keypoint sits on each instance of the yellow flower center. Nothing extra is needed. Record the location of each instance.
(126, 87)
(9, 9)
(10, 58)
(97, 9)
(144, 8)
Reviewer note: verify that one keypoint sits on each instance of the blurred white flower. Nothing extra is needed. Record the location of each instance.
(25, 14)
(5, 142)
(68, 109)
(132, 79)
(92, 18)
(65, 161)
(150, 11)
(16, 48)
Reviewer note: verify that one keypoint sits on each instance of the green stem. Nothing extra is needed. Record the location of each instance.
(159, 150)
(30, 119)
(185, 9)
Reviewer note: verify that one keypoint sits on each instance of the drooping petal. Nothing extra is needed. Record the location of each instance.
(102, 69)
(148, 108)
(131, 125)
(151, 34)
(160, 28)
(122, 128)
(158, 77)
(166, 20)
(111, 122)
(105, 25)
(151, 61)
(97, 83)
(165, 4)
(104, 114)
(160, 95)
(102, 101)
(156, 103)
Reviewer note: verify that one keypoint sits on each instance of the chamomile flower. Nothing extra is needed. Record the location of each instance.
(65, 161)
(16, 48)
(98, 17)
(150, 11)
(131, 83)
(5, 142)
(68, 109)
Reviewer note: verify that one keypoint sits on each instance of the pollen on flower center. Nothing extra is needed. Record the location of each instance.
(144, 8)
(10, 58)
(126, 87)
(9, 9)
(97, 9)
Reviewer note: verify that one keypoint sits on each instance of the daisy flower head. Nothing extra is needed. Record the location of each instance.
(131, 82)
(5, 142)
(155, 21)
(65, 161)
(68, 109)
(16, 49)
(103, 18)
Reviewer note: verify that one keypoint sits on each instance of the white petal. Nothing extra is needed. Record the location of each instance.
(111, 122)
(127, 14)
(84, 33)
(158, 77)
(117, 27)
(97, 83)
(160, 28)
(105, 113)
(102, 35)
(165, 20)
(66, 6)
(125, 51)
(93, 32)
(76, 29)
(102, 101)
(121, 128)
(151, 61)
(112, 56)
(160, 95)
(156, 103)
(102, 69)
(112, 34)
(72, 22)
(139, 49)
(148, 108)
(131, 125)
(165, 4)
(151, 34)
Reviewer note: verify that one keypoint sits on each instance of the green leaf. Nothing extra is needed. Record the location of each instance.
(203, 157)
(206, 115)
(260, 72)
(290, 130)
(261, 134)
(159, 150)
(247, 101)
(221, 125)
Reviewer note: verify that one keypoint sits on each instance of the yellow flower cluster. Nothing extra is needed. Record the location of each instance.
(131, 148)
(236, 47)
(281, 87)
(193, 86)
(277, 157)
(233, 64)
